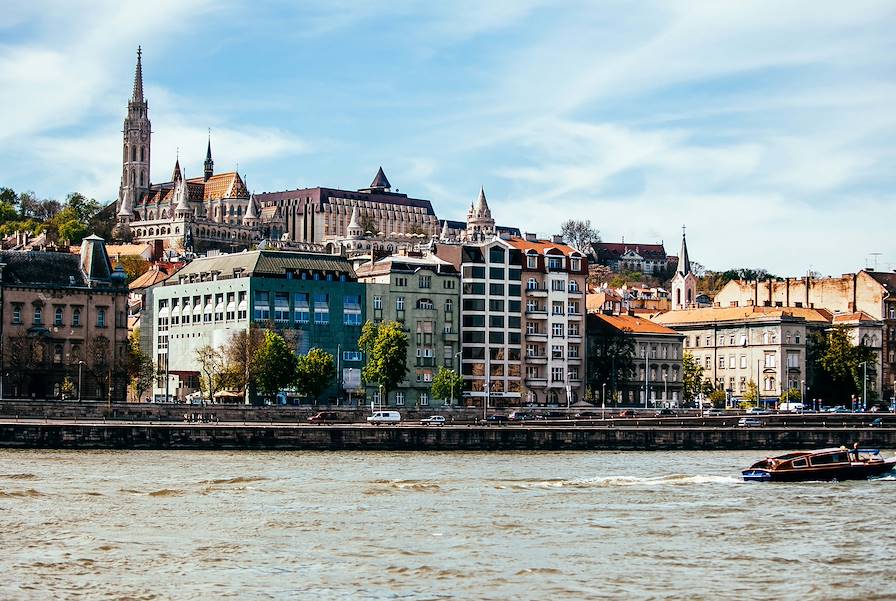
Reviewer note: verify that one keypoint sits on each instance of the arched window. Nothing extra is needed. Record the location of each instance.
(76, 320)
(57, 318)
(690, 297)
(532, 284)
(133, 153)
(141, 178)
(142, 153)
(678, 297)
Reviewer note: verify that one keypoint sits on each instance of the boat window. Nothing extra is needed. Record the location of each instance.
(799, 462)
(833, 458)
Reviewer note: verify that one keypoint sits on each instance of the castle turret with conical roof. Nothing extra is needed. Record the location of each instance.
(354, 229)
(480, 225)
(251, 216)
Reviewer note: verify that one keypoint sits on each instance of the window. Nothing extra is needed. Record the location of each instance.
(532, 284)
(262, 305)
(57, 318)
(424, 397)
(449, 305)
(721, 362)
(76, 316)
(531, 306)
(732, 362)
(573, 373)
(555, 263)
(743, 361)
(378, 302)
(797, 338)
(424, 281)
(557, 308)
(573, 307)
(531, 327)
(351, 310)
(321, 308)
(573, 351)
(399, 303)
(496, 273)
(556, 374)
(38, 315)
(496, 289)
(557, 330)
(573, 329)
(101, 317)
(17, 313)
(448, 284)
(301, 311)
(793, 360)
(558, 285)
(770, 361)
(425, 304)
(556, 351)
(708, 362)
(401, 282)
(531, 261)
(575, 265)
(281, 307)
(496, 255)
(399, 398)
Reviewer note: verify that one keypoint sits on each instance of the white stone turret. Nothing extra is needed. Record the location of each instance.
(480, 225)
(181, 197)
(251, 217)
(355, 230)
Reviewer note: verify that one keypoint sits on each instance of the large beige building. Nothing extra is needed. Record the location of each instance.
(870, 292)
(738, 345)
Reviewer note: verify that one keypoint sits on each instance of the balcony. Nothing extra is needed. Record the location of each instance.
(576, 293)
(537, 292)
(537, 359)
(536, 382)
(574, 337)
(577, 315)
(577, 360)
(537, 336)
(537, 314)
(450, 337)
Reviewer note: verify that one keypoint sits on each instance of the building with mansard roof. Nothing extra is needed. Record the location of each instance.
(198, 213)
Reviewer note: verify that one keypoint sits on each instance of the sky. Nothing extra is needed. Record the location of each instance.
(767, 127)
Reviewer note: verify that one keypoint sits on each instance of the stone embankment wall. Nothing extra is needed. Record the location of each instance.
(161, 435)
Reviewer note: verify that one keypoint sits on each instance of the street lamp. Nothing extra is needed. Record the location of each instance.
(80, 368)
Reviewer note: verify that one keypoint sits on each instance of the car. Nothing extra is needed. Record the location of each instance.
(326, 417)
(749, 422)
(664, 413)
(713, 412)
(877, 423)
(587, 414)
(520, 416)
(385, 417)
(497, 418)
(627, 413)
(758, 411)
(433, 420)
(837, 409)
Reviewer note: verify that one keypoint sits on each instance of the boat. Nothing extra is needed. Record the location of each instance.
(824, 464)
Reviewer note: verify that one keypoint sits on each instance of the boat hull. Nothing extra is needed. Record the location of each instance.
(852, 471)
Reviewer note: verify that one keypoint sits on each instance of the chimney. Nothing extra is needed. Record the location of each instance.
(530, 237)
(557, 239)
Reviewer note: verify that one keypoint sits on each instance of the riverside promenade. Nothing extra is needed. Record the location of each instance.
(53, 424)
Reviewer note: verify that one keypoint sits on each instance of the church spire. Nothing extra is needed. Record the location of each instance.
(209, 163)
(684, 263)
(177, 175)
(138, 77)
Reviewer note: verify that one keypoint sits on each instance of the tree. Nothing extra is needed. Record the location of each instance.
(139, 366)
(447, 384)
(240, 355)
(314, 372)
(611, 357)
(751, 395)
(386, 347)
(134, 266)
(838, 364)
(691, 378)
(83, 208)
(7, 212)
(211, 365)
(791, 395)
(718, 398)
(68, 388)
(274, 365)
(368, 224)
(599, 274)
(579, 233)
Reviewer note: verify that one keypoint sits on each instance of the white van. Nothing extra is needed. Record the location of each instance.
(385, 417)
(792, 407)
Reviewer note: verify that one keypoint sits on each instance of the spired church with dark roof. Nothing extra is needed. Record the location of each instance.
(198, 213)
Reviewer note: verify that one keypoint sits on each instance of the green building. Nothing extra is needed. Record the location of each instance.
(313, 299)
(423, 294)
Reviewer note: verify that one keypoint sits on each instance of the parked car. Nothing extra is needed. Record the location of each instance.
(327, 417)
(520, 416)
(495, 419)
(664, 413)
(758, 411)
(713, 412)
(433, 420)
(749, 422)
(877, 423)
(837, 409)
(385, 417)
(587, 414)
(627, 413)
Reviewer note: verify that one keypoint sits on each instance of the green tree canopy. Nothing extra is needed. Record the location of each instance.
(611, 357)
(835, 365)
(315, 372)
(691, 378)
(447, 384)
(386, 348)
(274, 365)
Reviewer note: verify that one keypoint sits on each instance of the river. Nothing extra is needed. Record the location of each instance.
(144, 525)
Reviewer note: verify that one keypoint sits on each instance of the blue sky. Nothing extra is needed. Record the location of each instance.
(767, 127)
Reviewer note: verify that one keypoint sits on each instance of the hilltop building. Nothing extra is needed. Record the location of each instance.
(650, 259)
(209, 211)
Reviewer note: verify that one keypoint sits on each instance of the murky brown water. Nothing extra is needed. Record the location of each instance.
(206, 525)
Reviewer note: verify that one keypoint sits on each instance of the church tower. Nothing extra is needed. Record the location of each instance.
(135, 149)
(684, 284)
(480, 225)
(209, 163)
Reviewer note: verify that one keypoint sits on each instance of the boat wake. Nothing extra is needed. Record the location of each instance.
(622, 481)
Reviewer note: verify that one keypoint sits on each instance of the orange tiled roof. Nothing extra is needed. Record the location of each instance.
(150, 278)
(710, 314)
(541, 246)
(635, 324)
(849, 317)
(221, 185)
